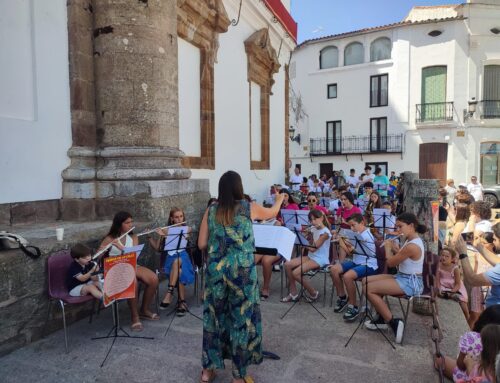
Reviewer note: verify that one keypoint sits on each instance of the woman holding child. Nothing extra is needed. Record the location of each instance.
(232, 326)
(122, 222)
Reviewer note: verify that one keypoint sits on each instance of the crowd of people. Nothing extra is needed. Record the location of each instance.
(347, 237)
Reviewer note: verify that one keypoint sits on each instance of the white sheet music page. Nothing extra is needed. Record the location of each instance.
(275, 237)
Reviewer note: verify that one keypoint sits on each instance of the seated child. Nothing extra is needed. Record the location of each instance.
(449, 280)
(317, 258)
(80, 279)
(363, 264)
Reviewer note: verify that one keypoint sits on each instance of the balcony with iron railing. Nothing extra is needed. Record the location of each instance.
(488, 109)
(434, 112)
(391, 143)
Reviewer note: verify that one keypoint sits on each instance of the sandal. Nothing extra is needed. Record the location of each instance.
(290, 298)
(311, 298)
(181, 308)
(163, 304)
(264, 296)
(209, 379)
(150, 316)
(137, 327)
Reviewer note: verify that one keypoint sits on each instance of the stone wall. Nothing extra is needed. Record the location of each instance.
(23, 281)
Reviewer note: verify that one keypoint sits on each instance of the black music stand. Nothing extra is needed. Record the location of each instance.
(114, 332)
(294, 217)
(382, 220)
(367, 312)
(178, 242)
(299, 247)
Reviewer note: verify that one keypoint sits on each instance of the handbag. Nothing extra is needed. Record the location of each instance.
(9, 241)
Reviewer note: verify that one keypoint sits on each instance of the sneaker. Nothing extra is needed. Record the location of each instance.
(351, 313)
(376, 323)
(276, 268)
(340, 305)
(398, 327)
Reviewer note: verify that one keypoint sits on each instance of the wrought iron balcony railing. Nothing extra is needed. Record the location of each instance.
(489, 109)
(434, 112)
(391, 143)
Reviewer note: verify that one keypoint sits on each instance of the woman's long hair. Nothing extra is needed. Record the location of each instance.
(490, 339)
(116, 227)
(230, 192)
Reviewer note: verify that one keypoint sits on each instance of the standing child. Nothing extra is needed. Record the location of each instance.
(80, 279)
(450, 281)
(317, 258)
(177, 263)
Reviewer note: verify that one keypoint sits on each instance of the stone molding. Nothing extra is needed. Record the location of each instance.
(262, 64)
(200, 22)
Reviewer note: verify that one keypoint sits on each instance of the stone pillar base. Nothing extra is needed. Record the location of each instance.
(152, 200)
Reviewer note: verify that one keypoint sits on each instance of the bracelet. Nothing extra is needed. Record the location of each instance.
(462, 256)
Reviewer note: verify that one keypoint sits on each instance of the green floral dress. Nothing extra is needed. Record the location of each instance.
(232, 326)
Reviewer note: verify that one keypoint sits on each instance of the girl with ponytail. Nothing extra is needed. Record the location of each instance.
(408, 281)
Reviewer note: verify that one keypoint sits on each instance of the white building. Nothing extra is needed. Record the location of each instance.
(421, 95)
(246, 103)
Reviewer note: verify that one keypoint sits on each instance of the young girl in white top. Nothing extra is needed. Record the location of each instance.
(318, 257)
(122, 222)
(408, 280)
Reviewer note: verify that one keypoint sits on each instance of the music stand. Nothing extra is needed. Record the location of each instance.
(383, 220)
(291, 218)
(302, 242)
(115, 329)
(177, 242)
(363, 251)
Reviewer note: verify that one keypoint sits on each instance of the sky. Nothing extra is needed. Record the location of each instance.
(317, 18)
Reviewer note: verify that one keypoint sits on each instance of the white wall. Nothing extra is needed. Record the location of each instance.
(189, 98)
(465, 46)
(232, 110)
(35, 126)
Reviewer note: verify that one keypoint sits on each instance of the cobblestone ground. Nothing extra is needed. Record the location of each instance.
(311, 349)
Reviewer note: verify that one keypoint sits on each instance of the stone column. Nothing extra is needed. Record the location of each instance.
(139, 163)
(418, 197)
(79, 189)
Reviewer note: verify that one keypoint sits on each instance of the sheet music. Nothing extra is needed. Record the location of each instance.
(295, 217)
(349, 235)
(275, 237)
(176, 238)
(378, 219)
(137, 249)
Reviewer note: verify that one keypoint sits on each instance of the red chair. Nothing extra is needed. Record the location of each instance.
(58, 265)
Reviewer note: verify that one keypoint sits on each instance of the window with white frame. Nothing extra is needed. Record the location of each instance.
(329, 57)
(354, 53)
(380, 49)
(379, 90)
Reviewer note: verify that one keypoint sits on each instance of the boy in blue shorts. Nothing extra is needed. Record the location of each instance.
(344, 274)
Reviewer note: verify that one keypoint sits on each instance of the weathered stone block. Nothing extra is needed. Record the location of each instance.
(77, 209)
(4, 214)
(23, 213)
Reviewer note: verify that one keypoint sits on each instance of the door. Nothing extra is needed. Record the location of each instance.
(433, 106)
(326, 169)
(432, 161)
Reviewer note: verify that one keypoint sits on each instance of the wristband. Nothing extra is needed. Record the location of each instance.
(462, 256)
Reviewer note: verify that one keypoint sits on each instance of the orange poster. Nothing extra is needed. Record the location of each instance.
(119, 278)
(435, 219)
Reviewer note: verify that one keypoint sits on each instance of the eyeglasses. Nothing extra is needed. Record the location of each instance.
(311, 200)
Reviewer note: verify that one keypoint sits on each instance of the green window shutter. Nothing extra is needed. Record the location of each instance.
(434, 93)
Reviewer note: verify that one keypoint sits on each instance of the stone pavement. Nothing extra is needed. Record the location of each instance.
(311, 349)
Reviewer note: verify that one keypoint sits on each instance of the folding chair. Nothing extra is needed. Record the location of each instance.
(325, 270)
(58, 265)
(428, 275)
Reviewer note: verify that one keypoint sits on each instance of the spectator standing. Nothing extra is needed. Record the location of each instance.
(352, 180)
(452, 190)
(296, 179)
(368, 177)
(475, 188)
(381, 183)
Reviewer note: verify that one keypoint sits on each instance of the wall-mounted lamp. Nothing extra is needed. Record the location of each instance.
(469, 112)
(291, 133)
